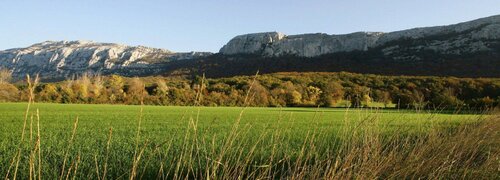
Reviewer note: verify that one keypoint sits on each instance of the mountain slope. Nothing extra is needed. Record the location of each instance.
(469, 37)
(59, 59)
(469, 49)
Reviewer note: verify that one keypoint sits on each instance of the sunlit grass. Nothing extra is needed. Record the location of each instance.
(176, 142)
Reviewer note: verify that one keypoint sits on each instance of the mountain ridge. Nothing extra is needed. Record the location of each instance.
(65, 58)
(316, 44)
(467, 49)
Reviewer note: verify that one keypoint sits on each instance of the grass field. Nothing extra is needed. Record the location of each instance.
(215, 142)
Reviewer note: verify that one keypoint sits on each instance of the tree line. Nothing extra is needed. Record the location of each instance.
(269, 90)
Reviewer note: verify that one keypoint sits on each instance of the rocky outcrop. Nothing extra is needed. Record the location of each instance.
(57, 59)
(467, 37)
(249, 44)
(308, 45)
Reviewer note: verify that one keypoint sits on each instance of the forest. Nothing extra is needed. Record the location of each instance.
(290, 89)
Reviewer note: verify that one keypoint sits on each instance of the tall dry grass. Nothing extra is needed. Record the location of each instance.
(34, 148)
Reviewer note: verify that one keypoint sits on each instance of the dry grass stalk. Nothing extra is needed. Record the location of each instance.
(70, 143)
(137, 156)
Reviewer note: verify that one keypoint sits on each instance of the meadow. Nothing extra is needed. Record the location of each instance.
(79, 141)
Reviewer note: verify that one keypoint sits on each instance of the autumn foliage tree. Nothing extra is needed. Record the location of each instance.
(5, 76)
(49, 93)
(115, 85)
(8, 92)
(332, 92)
(135, 91)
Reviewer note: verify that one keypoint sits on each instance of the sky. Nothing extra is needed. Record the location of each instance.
(206, 25)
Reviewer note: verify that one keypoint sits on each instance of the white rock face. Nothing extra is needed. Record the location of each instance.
(251, 43)
(54, 59)
(310, 45)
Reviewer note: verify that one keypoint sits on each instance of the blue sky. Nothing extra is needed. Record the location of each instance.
(206, 25)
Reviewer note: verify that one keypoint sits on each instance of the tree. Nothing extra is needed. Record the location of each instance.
(409, 99)
(277, 97)
(161, 88)
(291, 96)
(81, 87)
(161, 91)
(333, 92)
(259, 95)
(115, 90)
(49, 93)
(446, 100)
(96, 89)
(178, 96)
(294, 98)
(135, 91)
(382, 96)
(359, 96)
(8, 93)
(312, 95)
(5, 76)
(67, 94)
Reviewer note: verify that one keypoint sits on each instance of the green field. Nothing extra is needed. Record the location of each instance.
(194, 141)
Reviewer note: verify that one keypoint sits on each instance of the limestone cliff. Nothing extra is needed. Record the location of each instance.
(467, 37)
(57, 59)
